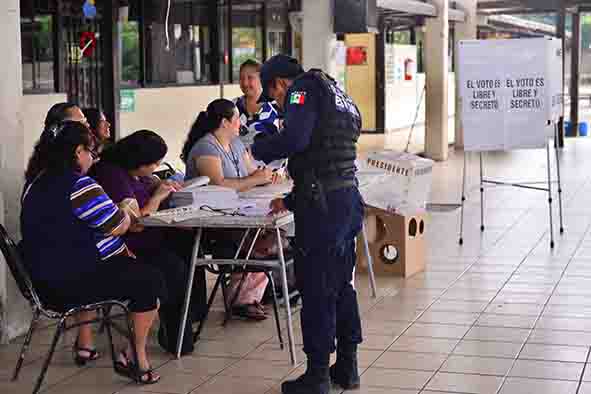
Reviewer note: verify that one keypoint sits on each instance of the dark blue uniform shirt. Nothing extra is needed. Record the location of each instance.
(302, 106)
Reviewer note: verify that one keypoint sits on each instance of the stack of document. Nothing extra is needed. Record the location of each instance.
(212, 196)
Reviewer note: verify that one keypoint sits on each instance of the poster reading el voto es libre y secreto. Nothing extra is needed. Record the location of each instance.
(510, 92)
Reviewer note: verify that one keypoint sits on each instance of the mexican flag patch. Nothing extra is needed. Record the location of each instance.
(297, 98)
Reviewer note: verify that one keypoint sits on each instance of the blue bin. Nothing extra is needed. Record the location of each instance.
(583, 129)
(568, 129)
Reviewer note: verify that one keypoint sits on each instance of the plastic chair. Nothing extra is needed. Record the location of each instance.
(14, 261)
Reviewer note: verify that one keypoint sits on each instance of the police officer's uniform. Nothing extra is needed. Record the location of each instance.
(321, 128)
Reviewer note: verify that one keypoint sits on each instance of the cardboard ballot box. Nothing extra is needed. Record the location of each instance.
(396, 242)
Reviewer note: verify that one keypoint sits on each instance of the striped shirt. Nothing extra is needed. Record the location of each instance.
(91, 204)
(265, 121)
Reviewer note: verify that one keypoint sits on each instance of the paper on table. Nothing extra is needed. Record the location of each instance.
(255, 207)
(176, 215)
(268, 192)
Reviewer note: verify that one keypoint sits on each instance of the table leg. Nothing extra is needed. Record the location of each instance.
(372, 278)
(290, 335)
(194, 257)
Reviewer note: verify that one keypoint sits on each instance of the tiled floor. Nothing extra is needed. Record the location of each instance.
(500, 314)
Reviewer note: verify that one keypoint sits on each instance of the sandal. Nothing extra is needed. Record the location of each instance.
(250, 312)
(129, 370)
(260, 307)
(81, 360)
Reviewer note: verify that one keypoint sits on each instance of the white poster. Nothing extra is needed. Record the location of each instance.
(508, 92)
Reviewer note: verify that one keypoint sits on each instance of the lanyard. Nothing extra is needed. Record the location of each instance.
(233, 158)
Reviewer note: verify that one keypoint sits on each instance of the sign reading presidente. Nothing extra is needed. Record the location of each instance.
(510, 92)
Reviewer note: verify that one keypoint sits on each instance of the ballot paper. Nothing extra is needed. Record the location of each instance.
(268, 192)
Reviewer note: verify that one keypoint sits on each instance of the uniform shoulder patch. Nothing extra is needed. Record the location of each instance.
(298, 98)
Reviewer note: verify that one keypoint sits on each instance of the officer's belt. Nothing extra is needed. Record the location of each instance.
(330, 185)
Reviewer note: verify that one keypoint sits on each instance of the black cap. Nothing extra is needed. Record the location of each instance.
(278, 66)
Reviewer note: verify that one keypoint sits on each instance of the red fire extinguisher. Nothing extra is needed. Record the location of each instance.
(409, 69)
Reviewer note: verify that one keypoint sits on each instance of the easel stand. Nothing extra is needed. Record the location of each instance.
(524, 185)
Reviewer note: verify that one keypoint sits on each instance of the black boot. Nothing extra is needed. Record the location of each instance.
(345, 372)
(314, 381)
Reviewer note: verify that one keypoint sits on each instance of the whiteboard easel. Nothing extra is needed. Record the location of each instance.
(548, 189)
(511, 97)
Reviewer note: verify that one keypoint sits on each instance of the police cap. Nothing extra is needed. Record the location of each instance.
(278, 66)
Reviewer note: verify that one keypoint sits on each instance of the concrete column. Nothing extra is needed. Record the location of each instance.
(463, 31)
(11, 151)
(318, 39)
(575, 74)
(561, 33)
(436, 70)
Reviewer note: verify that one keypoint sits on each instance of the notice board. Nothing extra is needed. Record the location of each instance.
(510, 92)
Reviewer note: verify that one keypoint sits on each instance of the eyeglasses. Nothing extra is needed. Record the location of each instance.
(93, 152)
(227, 212)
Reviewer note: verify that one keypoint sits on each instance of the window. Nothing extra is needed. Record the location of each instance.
(181, 57)
(207, 39)
(247, 35)
(277, 21)
(37, 53)
(130, 53)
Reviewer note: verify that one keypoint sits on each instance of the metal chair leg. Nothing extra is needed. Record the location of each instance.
(132, 341)
(104, 310)
(209, 303)
(275, 308)
(58, 332)
(229, 308)
(106, 323)
(25, 347)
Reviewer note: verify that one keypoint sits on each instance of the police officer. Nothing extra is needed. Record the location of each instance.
(321, 128)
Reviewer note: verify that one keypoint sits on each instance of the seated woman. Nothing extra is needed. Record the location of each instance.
(74, 252)
(61, 112)
(125, 172)
(213, 149)
(99, 126)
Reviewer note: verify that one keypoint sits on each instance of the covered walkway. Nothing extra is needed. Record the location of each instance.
(502, 314)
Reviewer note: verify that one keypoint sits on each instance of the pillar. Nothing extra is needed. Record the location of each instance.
(12, 314)
(575, 77)
(318, 38)
(561, 33)
(436, 74)
(463, 31)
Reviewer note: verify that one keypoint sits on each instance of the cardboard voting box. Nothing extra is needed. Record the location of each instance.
(395, 180)
(396, 242)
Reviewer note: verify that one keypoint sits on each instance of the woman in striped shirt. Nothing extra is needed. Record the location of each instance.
(72, 244)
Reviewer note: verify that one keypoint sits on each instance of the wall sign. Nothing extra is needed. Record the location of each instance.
(127, 101)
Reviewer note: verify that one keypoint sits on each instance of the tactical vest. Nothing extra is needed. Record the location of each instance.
(330, 156)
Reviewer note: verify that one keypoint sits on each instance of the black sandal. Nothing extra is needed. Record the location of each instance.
(129, 370)
(250, 312)
(81, 360)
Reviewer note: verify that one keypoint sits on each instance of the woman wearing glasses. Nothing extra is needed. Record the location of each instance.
(125, 172)
(75, 252)
(214, 149)
(99, 126)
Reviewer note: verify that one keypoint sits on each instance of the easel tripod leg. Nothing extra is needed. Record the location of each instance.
(556, 136)
(481, 194)
(550, 195)
(461, 241)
